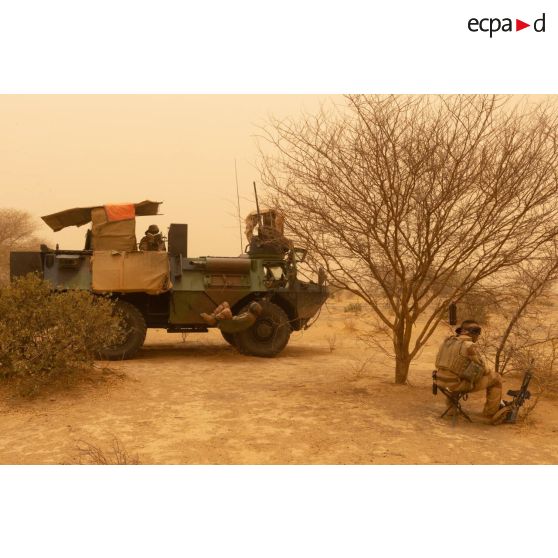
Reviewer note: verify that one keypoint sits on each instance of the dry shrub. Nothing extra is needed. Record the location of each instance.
(353, 308)
(521, 334)
(91, 454)
(548, 382)
(46, 336)
(358, 369)
(541, 360)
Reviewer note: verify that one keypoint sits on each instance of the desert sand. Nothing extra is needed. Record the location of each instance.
(195, 400)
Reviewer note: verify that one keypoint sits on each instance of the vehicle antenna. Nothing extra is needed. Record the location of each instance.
(238, 207)
(258, 209)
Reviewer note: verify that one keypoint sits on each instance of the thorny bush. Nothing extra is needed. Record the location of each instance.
(117, 454)
(46, 336)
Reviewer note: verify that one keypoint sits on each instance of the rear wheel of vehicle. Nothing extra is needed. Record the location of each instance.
(133, 335)
(269, 334)
(229, 338)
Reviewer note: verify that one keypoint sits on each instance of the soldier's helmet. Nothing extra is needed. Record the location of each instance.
(152, 229)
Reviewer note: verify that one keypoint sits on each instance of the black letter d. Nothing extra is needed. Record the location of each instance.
(542, 22)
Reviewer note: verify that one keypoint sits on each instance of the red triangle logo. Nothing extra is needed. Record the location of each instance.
(519, 25)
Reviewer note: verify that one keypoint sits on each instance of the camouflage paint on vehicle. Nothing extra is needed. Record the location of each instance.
(198, 284)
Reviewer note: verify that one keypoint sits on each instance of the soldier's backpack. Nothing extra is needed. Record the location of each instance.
(450, 358)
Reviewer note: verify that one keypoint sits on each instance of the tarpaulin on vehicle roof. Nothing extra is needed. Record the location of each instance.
(78, 216)
(112, 235)
(120, 212)
(147, 272)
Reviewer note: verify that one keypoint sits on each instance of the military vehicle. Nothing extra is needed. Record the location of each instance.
(170, 289)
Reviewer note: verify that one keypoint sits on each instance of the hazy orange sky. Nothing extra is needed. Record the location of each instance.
(62, 151)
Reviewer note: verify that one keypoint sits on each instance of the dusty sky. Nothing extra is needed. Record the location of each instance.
(62, 151)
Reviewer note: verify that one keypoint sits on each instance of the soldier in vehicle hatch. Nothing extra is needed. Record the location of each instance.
(153, 240)
(222, 317)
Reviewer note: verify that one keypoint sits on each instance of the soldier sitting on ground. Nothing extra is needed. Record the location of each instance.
(223, 318)
(153, 240)
(461, 368)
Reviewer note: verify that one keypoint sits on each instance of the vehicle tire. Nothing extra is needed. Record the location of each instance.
(135, 330)
(269, 334)
(229, 338)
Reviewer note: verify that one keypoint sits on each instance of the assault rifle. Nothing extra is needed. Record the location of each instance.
(519, 397)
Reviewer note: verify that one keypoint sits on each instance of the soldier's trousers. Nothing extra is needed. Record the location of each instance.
(491, 382)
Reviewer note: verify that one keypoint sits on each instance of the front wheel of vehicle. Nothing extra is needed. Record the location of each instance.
(133, 333)
(269, 334)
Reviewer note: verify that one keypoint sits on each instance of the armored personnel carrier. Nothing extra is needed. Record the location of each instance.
(170, 289)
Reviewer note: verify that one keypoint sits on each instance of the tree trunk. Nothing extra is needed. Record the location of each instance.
(402, 356)
(402, 369)
(401, 343)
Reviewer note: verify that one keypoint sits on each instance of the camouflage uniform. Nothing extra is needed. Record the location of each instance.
(153, 240)
(454, 354)
(222, 318)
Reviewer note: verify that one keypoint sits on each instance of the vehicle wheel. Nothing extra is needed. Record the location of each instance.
(133, 336)
(268, 335)
(229, 338)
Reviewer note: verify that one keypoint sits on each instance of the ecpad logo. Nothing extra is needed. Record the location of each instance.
(492, 25)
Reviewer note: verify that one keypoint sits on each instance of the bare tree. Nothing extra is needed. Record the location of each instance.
(519, 332)
(396, 197)
(17, 232)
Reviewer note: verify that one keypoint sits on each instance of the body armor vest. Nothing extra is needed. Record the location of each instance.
(450, 356)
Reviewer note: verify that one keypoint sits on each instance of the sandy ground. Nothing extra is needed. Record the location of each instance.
(198, 401)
